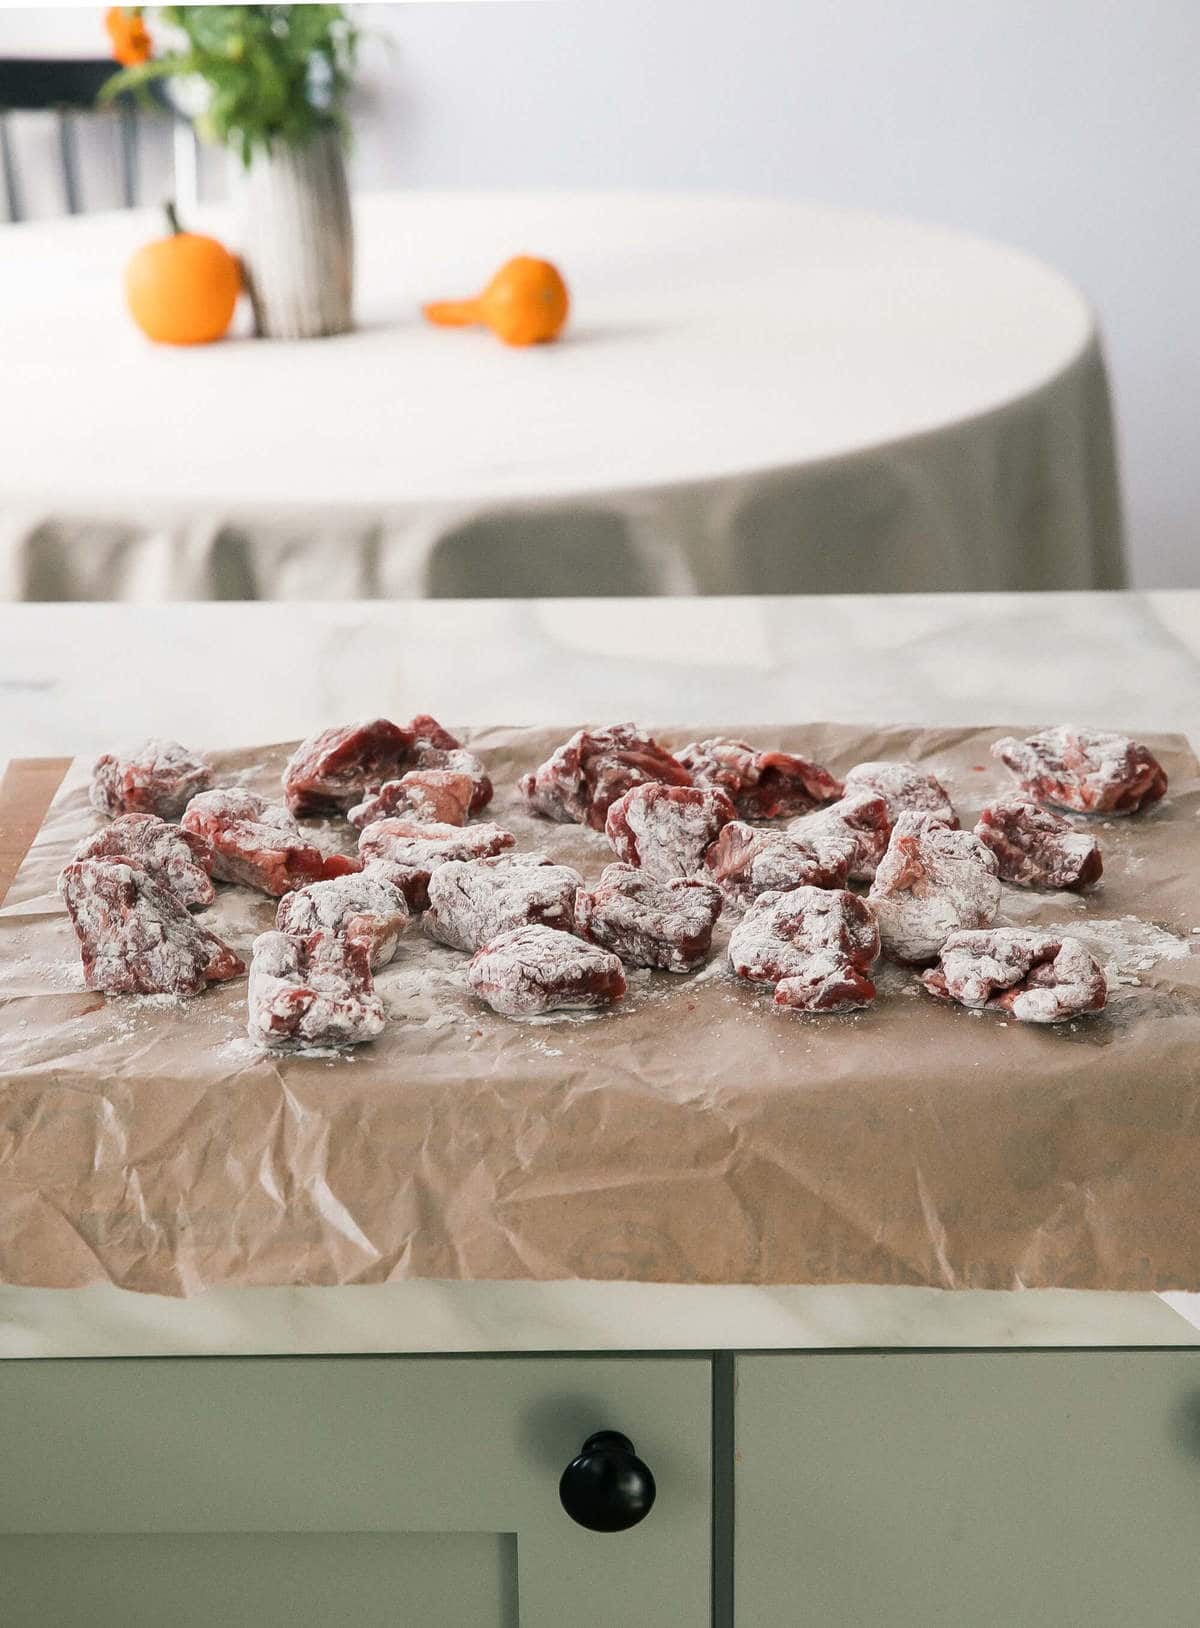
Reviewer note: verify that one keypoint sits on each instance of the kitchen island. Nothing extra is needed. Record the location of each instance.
(805, 1423)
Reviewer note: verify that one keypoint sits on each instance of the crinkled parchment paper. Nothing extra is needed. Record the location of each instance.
(694, 1135)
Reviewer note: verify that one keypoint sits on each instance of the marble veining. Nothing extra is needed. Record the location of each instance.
(429, 1316)
(236, 674)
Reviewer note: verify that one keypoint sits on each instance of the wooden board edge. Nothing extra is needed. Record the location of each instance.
(26, 791)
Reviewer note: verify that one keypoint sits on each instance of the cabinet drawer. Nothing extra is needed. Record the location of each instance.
(416, 1492)
(995, 1490)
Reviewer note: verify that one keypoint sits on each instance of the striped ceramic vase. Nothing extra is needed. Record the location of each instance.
(297, 240)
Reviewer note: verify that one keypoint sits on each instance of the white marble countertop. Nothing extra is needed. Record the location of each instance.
(73, 675)
(236, 674)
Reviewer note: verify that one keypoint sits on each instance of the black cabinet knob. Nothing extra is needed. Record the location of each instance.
(607, 1488)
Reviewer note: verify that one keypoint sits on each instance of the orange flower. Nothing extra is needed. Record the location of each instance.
(131, 42)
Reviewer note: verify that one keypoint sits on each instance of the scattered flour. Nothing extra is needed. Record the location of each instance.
(241, 1049)
(566, 1015)
(1125, 947)
(718, 967)
(890, 978)
(432, 991)
(64, 975)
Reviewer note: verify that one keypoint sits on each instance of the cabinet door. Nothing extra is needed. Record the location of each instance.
(988, 1490)
(356, 1491)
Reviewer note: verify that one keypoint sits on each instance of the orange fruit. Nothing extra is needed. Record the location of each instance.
(526, 303)
(181, 289)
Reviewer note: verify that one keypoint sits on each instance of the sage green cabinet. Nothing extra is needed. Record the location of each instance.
(1047, 1489)
(356, 1491)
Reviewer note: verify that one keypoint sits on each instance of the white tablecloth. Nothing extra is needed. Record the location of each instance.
(753, 397)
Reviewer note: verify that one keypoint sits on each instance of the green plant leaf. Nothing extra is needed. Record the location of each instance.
(274, 73)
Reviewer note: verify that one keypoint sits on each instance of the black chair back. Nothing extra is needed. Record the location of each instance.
(65, 87)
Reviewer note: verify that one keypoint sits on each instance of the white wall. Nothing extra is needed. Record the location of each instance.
(1070, 127)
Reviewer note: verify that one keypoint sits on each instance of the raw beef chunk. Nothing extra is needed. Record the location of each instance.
(432, 796)
(473, 901)
(763, 785)
(649, 923)
(330, 771)
(587, 774)
(157, 777)
(1037, 848)
(416, 850)
(345, 767)
(667, 830)
(905, 788)
(932, 881)
(456, 760)
(816, 947)
(1037, 977)
(539, 969)
(135, 936)
(436, 748)
(180, 860)
(1086, 770)
(859, 821)
(312, 990)
(745, 862)
(429, 736)
(258, 843)
(369, 906)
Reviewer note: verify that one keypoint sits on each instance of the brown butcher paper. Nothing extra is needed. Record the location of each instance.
(694, 1134)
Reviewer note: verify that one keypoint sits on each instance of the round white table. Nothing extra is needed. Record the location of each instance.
(751, 397)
